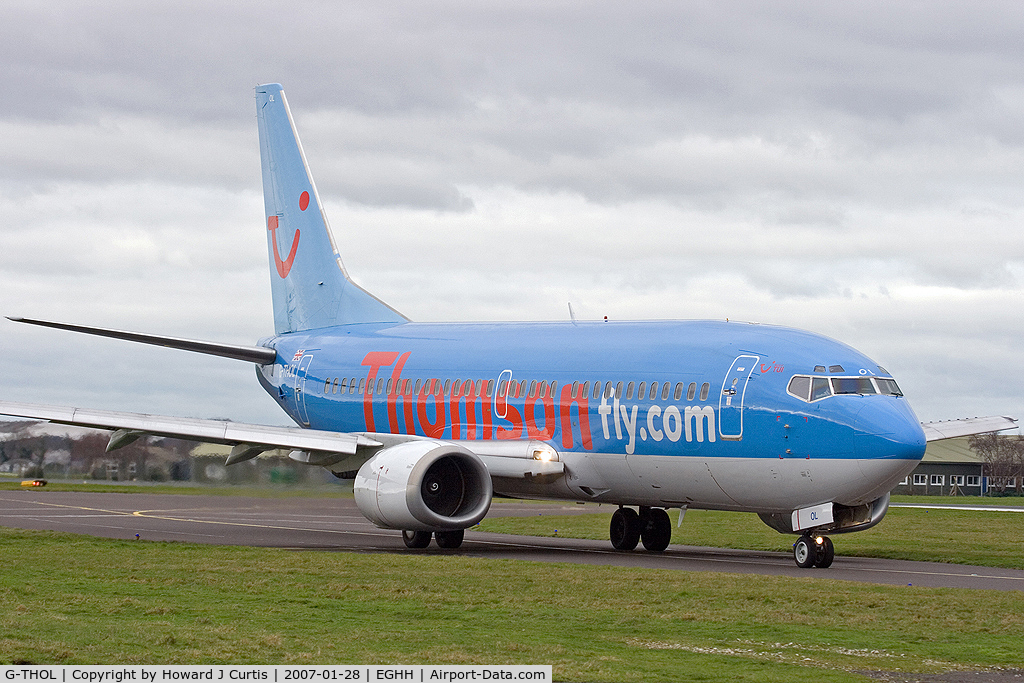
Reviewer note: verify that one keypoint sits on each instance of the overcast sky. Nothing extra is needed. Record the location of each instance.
(855, 169)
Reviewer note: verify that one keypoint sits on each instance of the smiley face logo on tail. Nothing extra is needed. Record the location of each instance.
(285, 266)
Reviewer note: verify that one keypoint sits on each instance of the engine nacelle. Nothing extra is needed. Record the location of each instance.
(423, 486)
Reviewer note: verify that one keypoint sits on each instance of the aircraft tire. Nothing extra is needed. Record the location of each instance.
(625, 529)
(804, 552)
(656, 530)
(416, 539)
(826, 553)
(449, 539)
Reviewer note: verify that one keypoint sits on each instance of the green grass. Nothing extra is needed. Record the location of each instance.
(991, 539)
(68, 599)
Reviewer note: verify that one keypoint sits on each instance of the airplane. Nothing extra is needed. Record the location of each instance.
(432, 420)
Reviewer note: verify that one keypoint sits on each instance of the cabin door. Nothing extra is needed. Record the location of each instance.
(730, 403)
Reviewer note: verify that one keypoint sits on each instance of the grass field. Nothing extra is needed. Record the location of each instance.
(71, 599)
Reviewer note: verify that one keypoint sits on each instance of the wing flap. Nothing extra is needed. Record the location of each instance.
(950, 429)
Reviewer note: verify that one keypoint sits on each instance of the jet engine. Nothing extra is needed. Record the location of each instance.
(423, 486)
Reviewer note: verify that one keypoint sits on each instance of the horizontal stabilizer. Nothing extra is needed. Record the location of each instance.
(949, 429)
(210, 431)
(260, 355)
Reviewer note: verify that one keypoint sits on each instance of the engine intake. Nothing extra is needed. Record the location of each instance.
(423, 486)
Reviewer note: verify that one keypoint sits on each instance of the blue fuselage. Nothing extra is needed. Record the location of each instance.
(700, 391)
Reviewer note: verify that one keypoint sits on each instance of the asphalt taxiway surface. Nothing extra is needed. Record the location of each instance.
(334, 524)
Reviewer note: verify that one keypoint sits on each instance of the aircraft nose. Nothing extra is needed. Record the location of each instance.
(888, 429)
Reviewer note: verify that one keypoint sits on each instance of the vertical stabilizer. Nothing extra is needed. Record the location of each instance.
(309, 284)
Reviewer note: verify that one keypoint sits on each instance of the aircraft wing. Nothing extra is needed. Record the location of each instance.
(514, 459)
(130, 426)
(949, 429)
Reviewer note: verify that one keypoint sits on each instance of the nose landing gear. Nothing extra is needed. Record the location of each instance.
(816, 551)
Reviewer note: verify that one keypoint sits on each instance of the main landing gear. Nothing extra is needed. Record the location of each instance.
(816, 551)
(652, 526)
(445, 539)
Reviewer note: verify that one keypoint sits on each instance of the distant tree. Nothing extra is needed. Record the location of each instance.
(1004, 460)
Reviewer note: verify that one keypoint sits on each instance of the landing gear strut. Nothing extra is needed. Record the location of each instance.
(652, 526)
(816, 551)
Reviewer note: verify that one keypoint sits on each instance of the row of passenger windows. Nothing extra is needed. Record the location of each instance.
(519, 389)
(816, 388)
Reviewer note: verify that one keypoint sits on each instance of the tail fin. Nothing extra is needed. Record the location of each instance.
(310, 286)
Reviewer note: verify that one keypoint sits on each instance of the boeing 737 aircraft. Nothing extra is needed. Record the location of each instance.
(432, 420)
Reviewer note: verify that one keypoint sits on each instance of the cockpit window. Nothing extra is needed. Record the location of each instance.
(811, 389)
(800, 386)
(853, 385)
(836, 368)
(888, 386)
(820, 388)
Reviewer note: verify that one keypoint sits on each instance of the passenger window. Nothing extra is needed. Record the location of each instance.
(679, 391)
(609, 389)
(575, 388)
(654, 391)
(447, 382)
(664, 391)
(327, 385)
(455, 386)
(554, 386)
(479, 387)
(387, 390)
(597, 390)
(416, 390)
(490, 387)
(691, 391)
(629, 390)
(542, 390)
(533, 389)
(800, 387)
(380, 386)
(704, 389)
(584, 390)
(618, 390)
(820, 388)
(501, 387)
(362, 384)
(640, 391)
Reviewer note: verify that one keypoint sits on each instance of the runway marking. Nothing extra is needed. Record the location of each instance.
(146, 515)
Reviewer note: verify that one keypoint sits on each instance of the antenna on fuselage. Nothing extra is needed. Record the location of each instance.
(572, 314)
